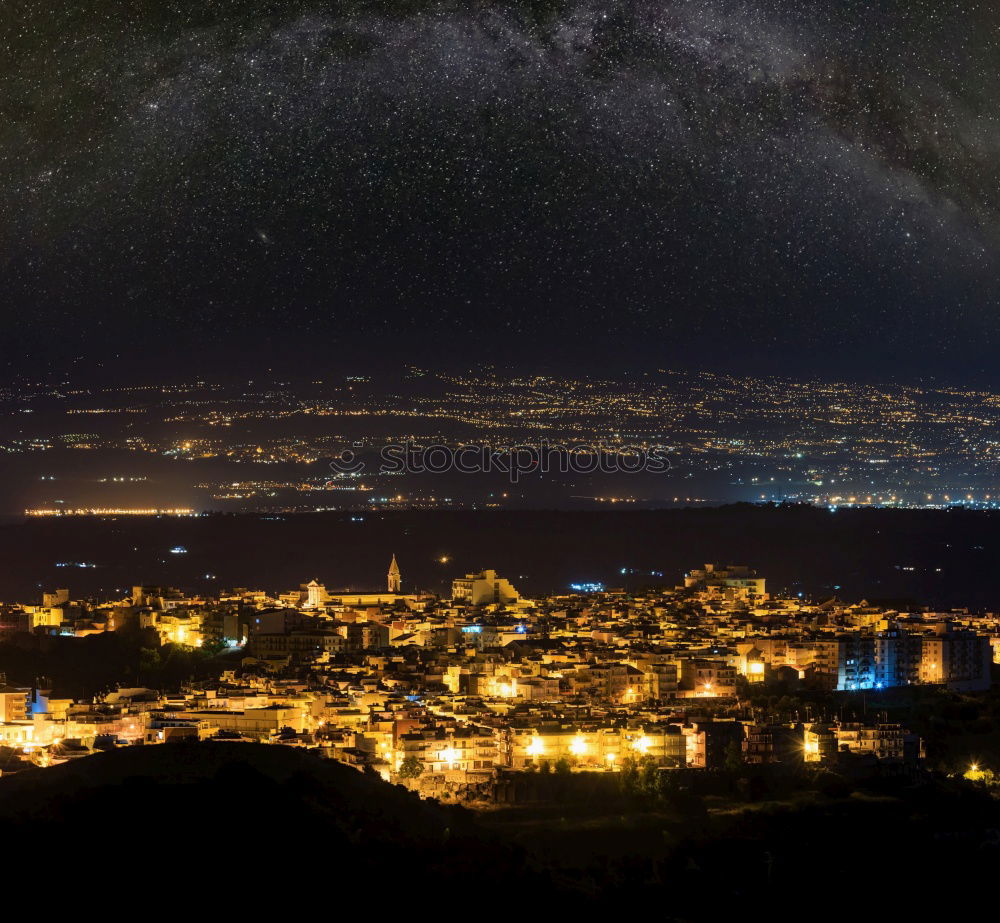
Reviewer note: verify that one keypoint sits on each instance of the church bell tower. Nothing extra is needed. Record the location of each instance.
(395, 580)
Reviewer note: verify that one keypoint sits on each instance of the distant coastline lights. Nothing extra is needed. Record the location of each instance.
(110, 512)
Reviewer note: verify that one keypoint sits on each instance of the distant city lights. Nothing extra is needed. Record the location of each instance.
(110, 512)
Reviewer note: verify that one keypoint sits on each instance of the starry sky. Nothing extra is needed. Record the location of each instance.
(795, 185)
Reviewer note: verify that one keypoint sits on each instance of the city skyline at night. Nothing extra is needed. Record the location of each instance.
(423, 439)
(500, 457)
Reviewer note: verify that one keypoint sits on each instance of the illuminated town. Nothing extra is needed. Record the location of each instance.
(452, 695)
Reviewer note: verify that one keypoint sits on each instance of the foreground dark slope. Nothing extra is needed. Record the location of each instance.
(307, 823)
(244, 826)
(253, 781)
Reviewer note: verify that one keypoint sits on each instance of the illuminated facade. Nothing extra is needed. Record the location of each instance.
(483, 589)
(14, 704)
(734, 583)
(316, 595)
(870, 659)
(176, 627)
(706, 678)
(586, 748)
(457, 750)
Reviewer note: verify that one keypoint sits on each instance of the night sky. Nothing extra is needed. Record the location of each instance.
(802, 185)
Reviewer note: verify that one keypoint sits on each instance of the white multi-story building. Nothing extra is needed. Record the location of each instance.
(483, 589)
